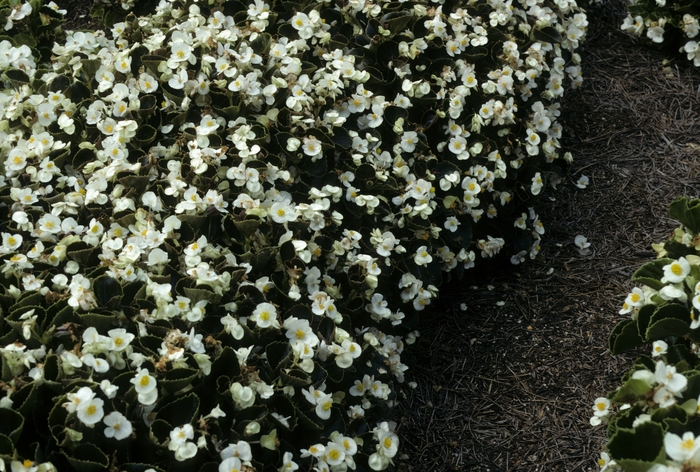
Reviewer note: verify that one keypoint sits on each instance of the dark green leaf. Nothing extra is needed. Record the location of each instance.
(687, 212)
(88, 458)
(11, 424)
(651, 273)
(631, 391)
(666, 328)
(624, 336)
(644, 444)
(183, 410)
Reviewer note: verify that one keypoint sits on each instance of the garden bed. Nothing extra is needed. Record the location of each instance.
(510, 388)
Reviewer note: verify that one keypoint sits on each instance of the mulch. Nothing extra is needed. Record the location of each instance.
(508, 384)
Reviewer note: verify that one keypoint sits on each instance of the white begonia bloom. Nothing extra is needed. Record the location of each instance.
(537, 184)
(145, 386)
(674, 292)
(681, 449)
(378, 461)
(388, 443)
(121, 338)
(90, 411)
(233, 327)
(179, 443)
(601, 407)
(282, 212)
(241, 450)
(293, 144)
(656, 34)
(243, 396)
(636, 298)
(659, 348)
(323, 406)
(409, 139)
(581, 241)
(451, 223)
(676, 271)
(108, 389)
(666, 375)
(334, 454)
(118, 427)
(265, 316)
(582, 181)
(230, 464)
(422, 257)
(81, 397)
(288, 464)
(312, 146)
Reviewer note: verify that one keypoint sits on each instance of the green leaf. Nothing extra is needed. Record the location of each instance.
(159, 432)
(548, 34)
(279, 354)
(666, 328)
(651, 273)
(11, 424)
(102, 323)
(687, 212)
(88, 458)
(624, 336)
(180, 411)
(7, 449)
(177, 379)
(644, 444)
(631, 391)
(295, 378)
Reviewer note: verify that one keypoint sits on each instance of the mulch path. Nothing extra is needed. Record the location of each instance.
(508, 384)
(510, 388)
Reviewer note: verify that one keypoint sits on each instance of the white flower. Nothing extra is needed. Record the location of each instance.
(265, 316)
(230, 464)
(90, 411)
(422, 257)
(676, 271)
(656, 34)
(681, 449)
(282, 212)
(581, 241)
(288, 465)
(145, 386)
(312, 146)
(537, 184)
(601, 407)
(118, 427)
(409, 139)
(323, 406)
(582, 181)
(666, 375)
(659, 348)
(636, 298)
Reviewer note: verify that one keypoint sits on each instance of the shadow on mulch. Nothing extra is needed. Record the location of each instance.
(508, 384)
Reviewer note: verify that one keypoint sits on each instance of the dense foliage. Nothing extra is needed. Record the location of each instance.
(220, 219)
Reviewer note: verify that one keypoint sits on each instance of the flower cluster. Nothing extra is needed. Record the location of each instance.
(241, 208)
(665, 22)
(658, 400)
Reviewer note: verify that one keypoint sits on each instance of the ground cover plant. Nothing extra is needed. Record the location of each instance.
(673, 25)
(219, 220)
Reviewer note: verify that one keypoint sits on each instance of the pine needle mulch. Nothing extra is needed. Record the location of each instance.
(510, 388)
